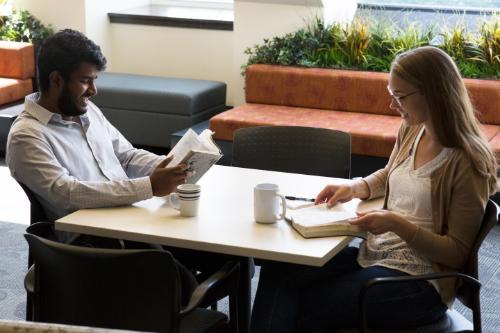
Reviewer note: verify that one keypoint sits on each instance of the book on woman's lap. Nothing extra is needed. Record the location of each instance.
(320, 221)
(198, 152)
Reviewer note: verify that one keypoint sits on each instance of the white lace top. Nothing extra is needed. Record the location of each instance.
(410, 195)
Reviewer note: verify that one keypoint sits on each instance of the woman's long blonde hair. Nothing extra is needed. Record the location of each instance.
(452, 115)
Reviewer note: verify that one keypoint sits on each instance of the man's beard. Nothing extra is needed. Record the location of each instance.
(68, 106)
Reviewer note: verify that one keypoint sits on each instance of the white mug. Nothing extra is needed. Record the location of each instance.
(186, 199)
(267, 203)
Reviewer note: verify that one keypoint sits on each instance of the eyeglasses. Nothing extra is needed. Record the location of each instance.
(398, 99)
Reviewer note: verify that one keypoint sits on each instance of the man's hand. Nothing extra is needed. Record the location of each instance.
(165, 180)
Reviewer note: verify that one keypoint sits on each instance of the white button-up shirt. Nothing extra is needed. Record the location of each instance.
(70, 166)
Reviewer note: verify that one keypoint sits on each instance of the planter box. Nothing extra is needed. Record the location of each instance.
(352, 101)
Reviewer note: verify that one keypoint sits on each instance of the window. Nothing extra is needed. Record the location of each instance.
(438, 4)
(223, 4)
(428, 13)
(197, 14)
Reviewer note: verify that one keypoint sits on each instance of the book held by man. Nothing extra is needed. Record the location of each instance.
(321, 221)
(199, 152)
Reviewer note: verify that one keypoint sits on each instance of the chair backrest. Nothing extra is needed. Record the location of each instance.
(306, 150)
(120, 289)
(465, 293)
(37, 213)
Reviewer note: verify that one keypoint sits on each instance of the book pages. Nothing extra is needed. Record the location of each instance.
(208, 142)
(318, 215)
(298, 204)
(188, 142)
(198, 163)
(198, 152)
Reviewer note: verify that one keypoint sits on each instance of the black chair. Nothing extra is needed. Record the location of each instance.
(37, 213)
(121, 289)
(467, 293)
(306, 150)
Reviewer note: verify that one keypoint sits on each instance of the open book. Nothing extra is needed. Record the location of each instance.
(199, 152)
(321, 221)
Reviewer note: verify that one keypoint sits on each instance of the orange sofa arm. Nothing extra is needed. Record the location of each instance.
(17, 60)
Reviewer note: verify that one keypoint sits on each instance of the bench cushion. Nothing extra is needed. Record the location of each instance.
(372, 134)
(495, 144)
(489, 131)
(158, 94)
(485, 96)
(17, 60)
(341, 90)
(14, 89)
(347, 90)
(356, 102)
(147, 109)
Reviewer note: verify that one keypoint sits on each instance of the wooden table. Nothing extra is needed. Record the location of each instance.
(224, 224)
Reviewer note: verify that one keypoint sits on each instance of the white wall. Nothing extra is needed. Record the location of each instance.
(61, 14)
(87, 16)
(182, 52)
(254, 21)
(97, 26)
(176, 52)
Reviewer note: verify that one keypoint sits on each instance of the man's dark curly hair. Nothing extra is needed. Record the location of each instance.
(64, 52)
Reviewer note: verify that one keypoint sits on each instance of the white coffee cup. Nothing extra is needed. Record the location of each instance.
(186, 199)
(267, 203)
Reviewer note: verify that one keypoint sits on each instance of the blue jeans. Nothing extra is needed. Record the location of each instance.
(296, 298)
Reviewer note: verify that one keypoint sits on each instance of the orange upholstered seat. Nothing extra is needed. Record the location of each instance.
(14, 89)
(17, 68)
(485, 96)
(17, 60)
(495, 144)
(372, 134)
(352, 101)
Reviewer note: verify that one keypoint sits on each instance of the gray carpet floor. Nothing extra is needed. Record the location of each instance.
(13, 266)
(14, 258)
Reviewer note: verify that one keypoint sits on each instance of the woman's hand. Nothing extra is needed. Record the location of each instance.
(335, 193)
(343, 193)
(381, 221)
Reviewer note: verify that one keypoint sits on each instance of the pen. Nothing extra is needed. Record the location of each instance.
(289, 197)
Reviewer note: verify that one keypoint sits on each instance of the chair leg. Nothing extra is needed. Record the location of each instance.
(29, 308)
(476, 315)
(245, 274)
(29, 299)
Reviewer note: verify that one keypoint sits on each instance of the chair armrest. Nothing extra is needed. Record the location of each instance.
(424, 277)
(220, 284)
(29, 280)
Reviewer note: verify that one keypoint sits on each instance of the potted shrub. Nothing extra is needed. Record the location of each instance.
(21, 26)
(370, 46)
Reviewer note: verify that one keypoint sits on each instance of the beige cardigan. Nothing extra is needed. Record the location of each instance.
(459, 197)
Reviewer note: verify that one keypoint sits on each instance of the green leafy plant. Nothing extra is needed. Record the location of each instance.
(370, 45)
(456, 42)
(486, 52)
(21, 26)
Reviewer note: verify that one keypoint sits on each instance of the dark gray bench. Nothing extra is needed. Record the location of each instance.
(148, 109)
(8, 113)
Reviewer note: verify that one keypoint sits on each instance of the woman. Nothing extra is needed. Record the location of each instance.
(436, 186)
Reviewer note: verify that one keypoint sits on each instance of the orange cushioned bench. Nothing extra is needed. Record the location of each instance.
(352, 101)
(17, 69)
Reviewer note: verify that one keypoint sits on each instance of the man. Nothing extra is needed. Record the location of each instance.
(66, 152)
(71, 157)
(64, 149)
